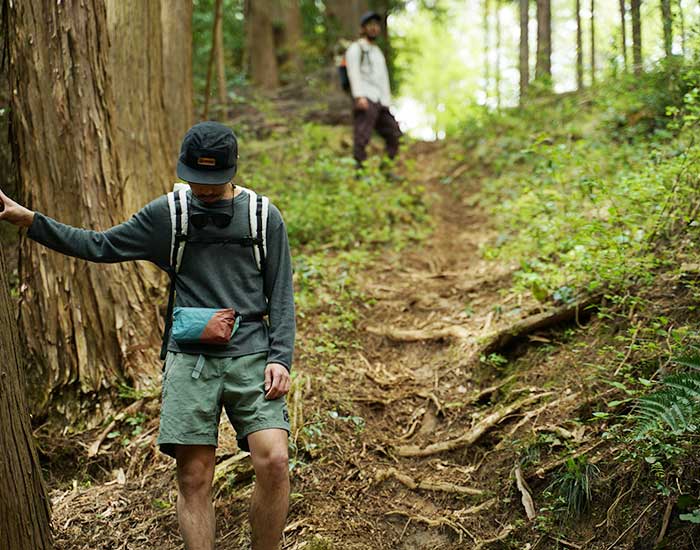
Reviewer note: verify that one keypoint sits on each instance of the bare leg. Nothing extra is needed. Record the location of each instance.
(270, 502)
(195, 510)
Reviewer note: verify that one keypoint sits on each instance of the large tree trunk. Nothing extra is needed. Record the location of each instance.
(623, 37)
(593, 63)
(288, 36)
(543, 69)
(176, 18)
(260, 42)
(635, 9)
(667, 20)
(524, 60)
(579, 47)
(24, 506)
(90, 164)
(213, 55)
(344, 16)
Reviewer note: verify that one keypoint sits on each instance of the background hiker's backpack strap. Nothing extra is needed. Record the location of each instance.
(258, 208)
(179, 224)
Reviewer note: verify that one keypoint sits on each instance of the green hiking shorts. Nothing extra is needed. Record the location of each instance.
(197, 387)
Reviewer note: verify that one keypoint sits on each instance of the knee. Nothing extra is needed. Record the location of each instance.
(272, 466)
(194, 480)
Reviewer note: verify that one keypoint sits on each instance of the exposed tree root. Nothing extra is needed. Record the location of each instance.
(533, 323)
(505, 532)
(412, 335)
(441, 486)
(433, 522)
(472, 435)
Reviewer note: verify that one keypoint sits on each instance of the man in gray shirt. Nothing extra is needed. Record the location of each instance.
(248, 373)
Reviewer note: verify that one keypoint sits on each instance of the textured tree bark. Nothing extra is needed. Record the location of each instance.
(261, 51)
(635, 9)
(176, 19)
(24, 506)
(579, 47)
(593, 63)
(543, 69)
(524, 61)
(667, 20)
(90, 164)
(623, 37)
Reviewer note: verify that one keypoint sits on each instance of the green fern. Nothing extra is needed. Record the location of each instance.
(676, 404)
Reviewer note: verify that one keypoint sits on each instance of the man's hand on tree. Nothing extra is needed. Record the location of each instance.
(277, 381)
(15, 213)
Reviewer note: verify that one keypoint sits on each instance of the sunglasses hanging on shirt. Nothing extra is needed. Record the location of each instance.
(218, 219)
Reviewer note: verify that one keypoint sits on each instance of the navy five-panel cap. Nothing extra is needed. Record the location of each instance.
(369, 16)
(209, 154)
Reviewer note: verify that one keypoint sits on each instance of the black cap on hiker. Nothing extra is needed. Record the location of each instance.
(209, 154)
(370, 16)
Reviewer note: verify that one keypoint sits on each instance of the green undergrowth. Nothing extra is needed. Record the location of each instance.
(597, 193)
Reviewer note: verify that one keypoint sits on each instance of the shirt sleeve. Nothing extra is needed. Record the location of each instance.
(136, 239)
(279, 290)
(352, 62)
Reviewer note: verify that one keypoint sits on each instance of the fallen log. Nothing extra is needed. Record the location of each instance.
(456, 332)
(564, 314)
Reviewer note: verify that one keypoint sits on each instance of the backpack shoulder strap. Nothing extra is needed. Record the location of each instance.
(258, 208)
(179, 220)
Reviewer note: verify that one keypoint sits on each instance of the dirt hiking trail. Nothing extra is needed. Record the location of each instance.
(407, 439)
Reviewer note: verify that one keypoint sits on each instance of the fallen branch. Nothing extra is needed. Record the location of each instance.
(526, 497)
(667, 518)
(95, 446)
(426, 485)
(456, 332)
(618, 539)
(548, 319)
(472, 435)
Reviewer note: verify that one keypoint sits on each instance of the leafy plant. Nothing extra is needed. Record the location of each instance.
(574, 485)
(676, 405)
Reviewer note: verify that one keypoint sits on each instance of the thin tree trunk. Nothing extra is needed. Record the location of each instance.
(635, 9)
(288, 35)
(623, 29)
(24, 506)
(543, 69)
(667, 20)
(524, 63)
(176, 17)
(219, 52)
(212, 57)
(84, 162)
(261, 42)
(681, 19)
(579, 47)
(593, 65)
(498, 55)
(487, 49)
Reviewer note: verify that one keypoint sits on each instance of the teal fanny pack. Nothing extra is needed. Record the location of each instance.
(201, 325)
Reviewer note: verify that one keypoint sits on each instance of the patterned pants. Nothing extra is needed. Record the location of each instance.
(379, 118)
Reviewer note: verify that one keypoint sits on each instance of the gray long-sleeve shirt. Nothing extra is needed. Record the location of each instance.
(219, 275)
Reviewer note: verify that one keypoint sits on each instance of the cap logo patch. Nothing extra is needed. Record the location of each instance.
(206, 161)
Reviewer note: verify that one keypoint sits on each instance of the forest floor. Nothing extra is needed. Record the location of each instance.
(414, 437)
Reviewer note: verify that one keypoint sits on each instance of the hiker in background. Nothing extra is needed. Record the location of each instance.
(231, 342)
(369, 87)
